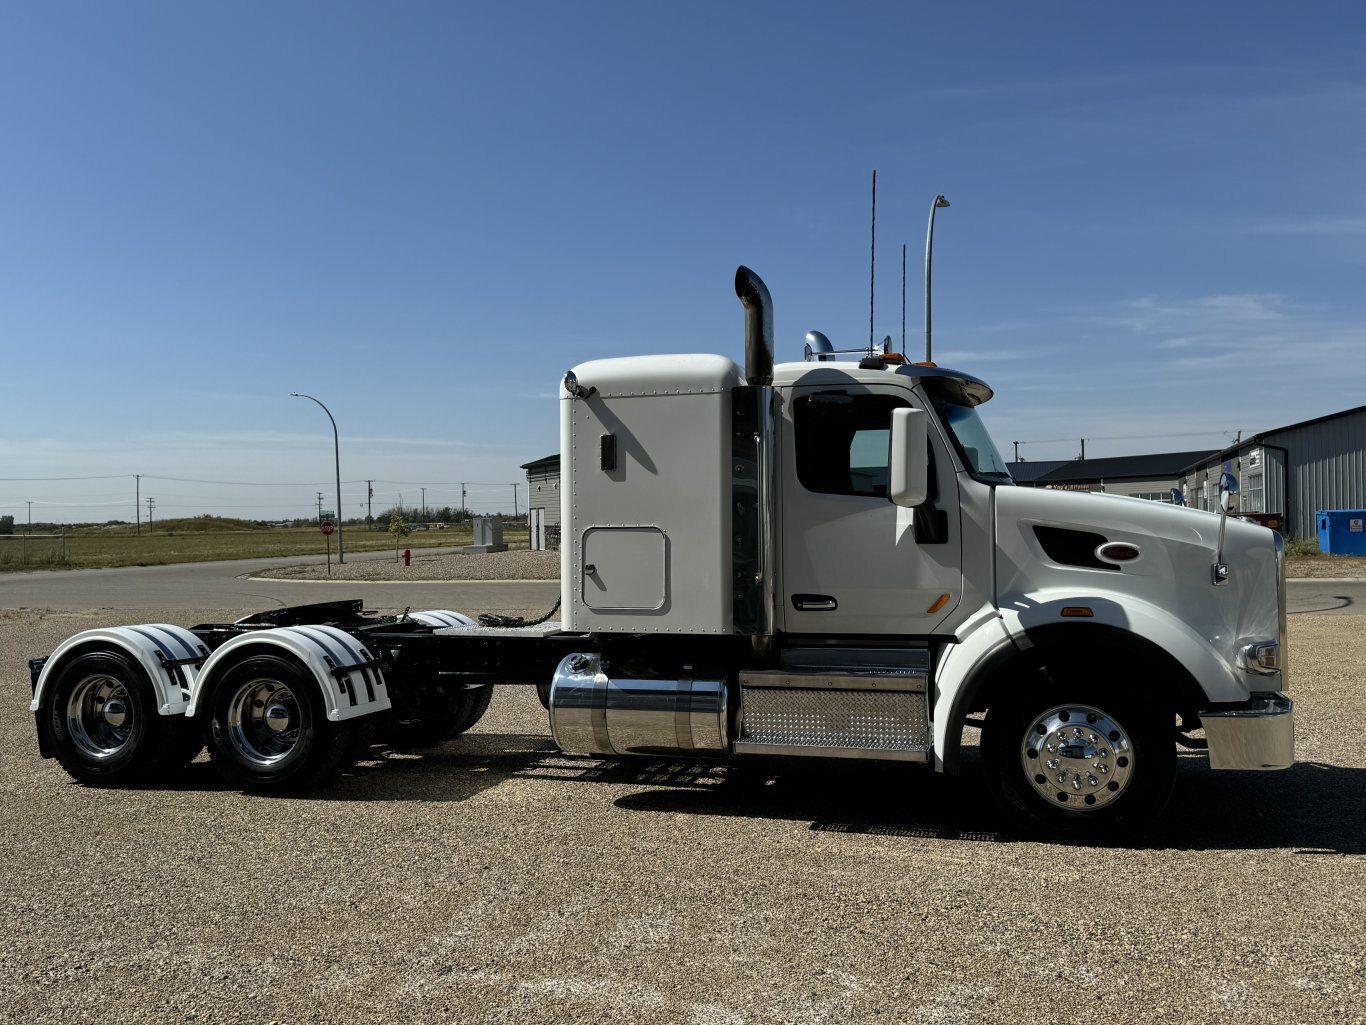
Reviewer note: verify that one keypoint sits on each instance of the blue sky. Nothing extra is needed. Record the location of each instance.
(423, 213)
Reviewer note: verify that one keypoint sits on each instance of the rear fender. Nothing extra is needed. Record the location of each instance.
(170, 656)
(348, 676)
(443, 619)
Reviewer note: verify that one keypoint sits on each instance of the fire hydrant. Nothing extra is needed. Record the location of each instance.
(407, 556)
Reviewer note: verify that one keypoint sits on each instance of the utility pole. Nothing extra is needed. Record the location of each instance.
(1083, 450)
(462, 501)
(320, 508)
(424, 505)
(137, 501)
(369, 503)
(151, 504)
(515, 507)
(1017, 450)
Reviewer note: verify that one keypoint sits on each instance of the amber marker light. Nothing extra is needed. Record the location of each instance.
(940, 602)
(1076, 612)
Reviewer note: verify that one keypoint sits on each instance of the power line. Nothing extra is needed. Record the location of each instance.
(108, 476)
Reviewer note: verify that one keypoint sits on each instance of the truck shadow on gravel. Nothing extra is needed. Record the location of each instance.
(1311, 809)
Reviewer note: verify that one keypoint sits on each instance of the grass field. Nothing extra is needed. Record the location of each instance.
(207, 539)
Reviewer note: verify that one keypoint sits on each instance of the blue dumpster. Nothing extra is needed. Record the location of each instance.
(1342, 531)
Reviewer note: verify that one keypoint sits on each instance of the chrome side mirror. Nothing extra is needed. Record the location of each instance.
(1228, 487)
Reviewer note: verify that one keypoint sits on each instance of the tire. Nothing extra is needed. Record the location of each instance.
(474, 703)
(1078, 763)
(102, 725)
(441, 712)
(543, 695)
(269, 731)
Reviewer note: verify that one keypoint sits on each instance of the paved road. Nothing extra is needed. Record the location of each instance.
(225, 585)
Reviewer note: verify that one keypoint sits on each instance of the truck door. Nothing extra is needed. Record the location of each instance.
(852, 562)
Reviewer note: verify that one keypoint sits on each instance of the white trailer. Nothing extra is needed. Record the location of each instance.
(810, 560)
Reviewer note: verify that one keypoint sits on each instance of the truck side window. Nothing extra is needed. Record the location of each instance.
(843, 442)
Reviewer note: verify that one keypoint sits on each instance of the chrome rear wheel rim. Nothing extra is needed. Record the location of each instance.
(264, 722)
(100, 716)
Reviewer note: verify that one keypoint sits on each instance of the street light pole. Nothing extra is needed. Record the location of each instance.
(336, 452)
(939, 201)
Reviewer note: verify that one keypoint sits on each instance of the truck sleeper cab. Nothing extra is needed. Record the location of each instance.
(816, 559)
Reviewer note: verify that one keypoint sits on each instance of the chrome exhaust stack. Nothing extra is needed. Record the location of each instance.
(753, 293)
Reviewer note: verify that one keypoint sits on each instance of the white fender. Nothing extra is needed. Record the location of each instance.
(443, 619)
(1201, 656)
(981, 637)
(152, 646)
(321, 649)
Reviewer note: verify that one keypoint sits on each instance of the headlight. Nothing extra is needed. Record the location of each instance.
(1261, 657)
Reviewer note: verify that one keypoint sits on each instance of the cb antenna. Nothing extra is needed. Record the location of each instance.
(872, 264)
(903, 298)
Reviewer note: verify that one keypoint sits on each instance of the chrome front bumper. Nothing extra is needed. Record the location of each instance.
(1257, 735)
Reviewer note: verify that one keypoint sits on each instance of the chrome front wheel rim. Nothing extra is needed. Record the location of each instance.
(100, 717)
(1077, 757)
(264, 722)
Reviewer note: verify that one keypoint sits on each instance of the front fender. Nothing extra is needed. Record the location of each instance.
(982, 644)
(1216, 676)
(347, 674)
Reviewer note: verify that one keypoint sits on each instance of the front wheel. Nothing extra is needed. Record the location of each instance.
(1070, 765)
(268, 728)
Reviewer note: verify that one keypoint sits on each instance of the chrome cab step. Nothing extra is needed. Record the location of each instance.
(874, 711)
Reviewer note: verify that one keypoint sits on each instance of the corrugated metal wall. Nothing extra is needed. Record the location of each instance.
(1327, 471)
(1327, 468)
(543, 490)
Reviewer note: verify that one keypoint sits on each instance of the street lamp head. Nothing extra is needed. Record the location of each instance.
(941, 201)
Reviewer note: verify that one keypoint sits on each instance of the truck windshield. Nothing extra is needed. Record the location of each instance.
(973, 441)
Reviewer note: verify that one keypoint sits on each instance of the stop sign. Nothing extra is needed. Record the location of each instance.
(327, 528)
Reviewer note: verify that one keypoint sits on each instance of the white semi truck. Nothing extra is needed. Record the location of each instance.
(811, 560)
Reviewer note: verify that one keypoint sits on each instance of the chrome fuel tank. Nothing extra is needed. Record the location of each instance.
(591, 713)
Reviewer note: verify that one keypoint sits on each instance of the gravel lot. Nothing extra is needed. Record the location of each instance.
(494, 880)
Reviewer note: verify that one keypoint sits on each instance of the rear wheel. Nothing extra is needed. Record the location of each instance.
(439, 712)
(1075, 763)
(102, 723)
(269, 730)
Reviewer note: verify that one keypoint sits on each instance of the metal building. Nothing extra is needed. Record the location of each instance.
(1291, 471)
(543, 501)
(1148, 476)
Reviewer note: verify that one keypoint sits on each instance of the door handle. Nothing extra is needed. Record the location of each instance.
(814, 603)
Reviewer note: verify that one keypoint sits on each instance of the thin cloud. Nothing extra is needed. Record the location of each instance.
(1325, 227)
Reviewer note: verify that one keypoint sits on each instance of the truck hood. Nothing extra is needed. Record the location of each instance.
(1045, 548)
